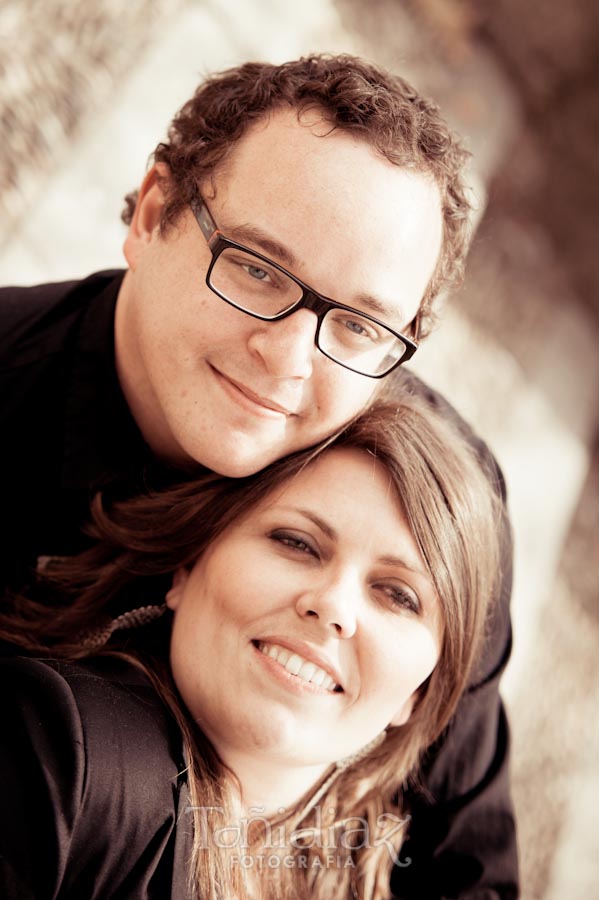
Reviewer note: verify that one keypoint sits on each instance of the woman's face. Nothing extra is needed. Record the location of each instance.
(307, 627)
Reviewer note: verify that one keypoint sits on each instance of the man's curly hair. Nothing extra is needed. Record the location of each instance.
(355, 96)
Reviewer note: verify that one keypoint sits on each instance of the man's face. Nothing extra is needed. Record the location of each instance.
(205, 381)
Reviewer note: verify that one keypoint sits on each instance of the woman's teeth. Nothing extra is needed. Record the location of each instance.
(296, 665)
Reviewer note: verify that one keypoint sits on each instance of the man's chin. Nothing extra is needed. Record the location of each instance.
(234, 463)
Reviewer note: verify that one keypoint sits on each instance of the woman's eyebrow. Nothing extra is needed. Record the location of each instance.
(404, 564)
(387, 559)
(316, 520)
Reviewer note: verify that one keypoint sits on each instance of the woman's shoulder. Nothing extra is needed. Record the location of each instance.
(106, 708)
(106, 696)
(93, 778)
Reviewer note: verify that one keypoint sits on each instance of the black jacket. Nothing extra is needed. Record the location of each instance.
(94, 805)
(67, 432)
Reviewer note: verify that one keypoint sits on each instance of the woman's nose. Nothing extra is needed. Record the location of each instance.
(334, 605)
(286, 347)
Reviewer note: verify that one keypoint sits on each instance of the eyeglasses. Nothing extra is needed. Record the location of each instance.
(256, 285)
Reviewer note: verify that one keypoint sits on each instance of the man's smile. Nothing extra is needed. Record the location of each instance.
(251, 400)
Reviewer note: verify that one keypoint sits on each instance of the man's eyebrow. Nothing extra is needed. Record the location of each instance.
(267, 244)
(385, 311)
(388, 312)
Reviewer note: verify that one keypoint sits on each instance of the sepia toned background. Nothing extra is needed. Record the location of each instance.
(87, 88)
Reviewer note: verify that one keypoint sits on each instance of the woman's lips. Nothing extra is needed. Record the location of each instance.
(301, 662)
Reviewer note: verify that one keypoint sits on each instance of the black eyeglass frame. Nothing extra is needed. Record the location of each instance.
(310, 299)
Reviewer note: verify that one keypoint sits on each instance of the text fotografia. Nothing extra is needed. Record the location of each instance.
(291, 861)
(329, 841)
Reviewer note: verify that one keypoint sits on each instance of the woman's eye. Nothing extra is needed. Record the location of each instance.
(401, 597)
(294, 542)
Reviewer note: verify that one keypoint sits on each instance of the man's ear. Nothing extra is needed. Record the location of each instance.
(175, 594)
(147, 213)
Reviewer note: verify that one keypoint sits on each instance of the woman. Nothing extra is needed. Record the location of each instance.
(322, 621)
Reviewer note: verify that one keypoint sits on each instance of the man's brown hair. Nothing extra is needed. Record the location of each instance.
(356, 96)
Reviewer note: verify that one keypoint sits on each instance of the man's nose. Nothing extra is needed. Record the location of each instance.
(287, 346)
(334, 604)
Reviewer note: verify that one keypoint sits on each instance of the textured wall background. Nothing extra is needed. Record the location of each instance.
(60, 61)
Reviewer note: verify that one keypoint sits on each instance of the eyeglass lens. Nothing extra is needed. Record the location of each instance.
(349, 338)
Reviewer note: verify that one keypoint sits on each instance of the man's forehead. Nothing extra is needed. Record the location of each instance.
(330, 209)
(304, 138)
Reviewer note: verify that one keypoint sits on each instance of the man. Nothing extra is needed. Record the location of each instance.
(283, 254)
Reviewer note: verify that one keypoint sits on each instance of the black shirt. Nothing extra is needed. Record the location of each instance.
(67, 431)
(66, 428)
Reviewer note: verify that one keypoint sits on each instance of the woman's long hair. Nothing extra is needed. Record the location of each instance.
(453, 512)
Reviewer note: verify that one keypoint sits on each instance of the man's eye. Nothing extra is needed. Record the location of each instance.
(355, 330)
(355, 327)
(294, 542)
(256, 272)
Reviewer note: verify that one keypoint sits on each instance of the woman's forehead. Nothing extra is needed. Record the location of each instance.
(338, 473)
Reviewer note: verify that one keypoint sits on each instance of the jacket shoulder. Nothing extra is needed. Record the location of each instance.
(90, 781)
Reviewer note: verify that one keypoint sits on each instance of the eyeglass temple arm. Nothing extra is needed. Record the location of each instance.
(417, 327)
(207, 224)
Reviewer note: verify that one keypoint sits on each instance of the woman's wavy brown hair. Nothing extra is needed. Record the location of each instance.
(453, 511)
(356, 96)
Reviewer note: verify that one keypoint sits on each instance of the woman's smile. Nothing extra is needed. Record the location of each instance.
(295, 671)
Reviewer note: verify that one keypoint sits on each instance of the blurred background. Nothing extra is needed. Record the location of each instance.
(87, 89)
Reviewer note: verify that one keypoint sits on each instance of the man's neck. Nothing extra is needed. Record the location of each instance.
(137, 390)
